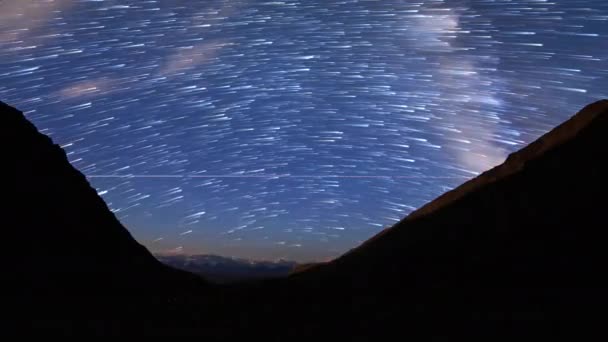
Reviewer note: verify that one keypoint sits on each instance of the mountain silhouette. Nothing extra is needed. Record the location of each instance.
(517, 252)
(520, 247)
(514, 253)
(61, 236)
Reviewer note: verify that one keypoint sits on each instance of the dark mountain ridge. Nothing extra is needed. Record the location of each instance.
(518, 251)
(518, 248)
(515, 252)
(66, 237)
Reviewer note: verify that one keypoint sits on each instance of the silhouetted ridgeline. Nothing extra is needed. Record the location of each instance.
(518, 252)
(59, 234)
(519, 248)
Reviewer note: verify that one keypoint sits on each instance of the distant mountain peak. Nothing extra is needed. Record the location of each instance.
(228, 269)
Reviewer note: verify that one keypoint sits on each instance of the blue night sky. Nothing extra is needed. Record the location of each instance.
(293, 129)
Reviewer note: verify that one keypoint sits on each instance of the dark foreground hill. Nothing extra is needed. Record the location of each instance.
(64, 253)
(61, 235)
(520, 251)
(517, 252)
(519, 248)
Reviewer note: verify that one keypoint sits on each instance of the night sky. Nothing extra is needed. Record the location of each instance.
(293, 129)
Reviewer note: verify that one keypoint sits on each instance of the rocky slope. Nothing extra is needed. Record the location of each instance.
(516, 253)
(520, 247)
(66, 239)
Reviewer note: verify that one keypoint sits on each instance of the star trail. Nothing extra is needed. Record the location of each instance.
(293, 129)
